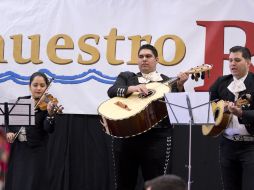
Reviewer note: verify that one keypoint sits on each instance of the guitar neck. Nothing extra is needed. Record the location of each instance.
(199, 69)
(171, 81)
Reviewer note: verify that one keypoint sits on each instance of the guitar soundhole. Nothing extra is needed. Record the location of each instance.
(216, 113)
(150, 93)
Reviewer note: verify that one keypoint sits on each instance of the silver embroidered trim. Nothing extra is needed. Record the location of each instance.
(120, 92)
(167, 155)
(114, 162)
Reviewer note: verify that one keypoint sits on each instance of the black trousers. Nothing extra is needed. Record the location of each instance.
(149, 151)
(237, 164)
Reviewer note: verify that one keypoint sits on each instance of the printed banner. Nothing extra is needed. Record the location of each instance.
(85, 44)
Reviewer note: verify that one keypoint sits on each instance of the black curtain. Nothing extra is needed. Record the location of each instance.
(80, 156)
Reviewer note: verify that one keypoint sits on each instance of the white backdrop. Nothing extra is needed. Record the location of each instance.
(82, 87)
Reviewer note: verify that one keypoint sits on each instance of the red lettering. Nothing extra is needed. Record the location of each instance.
(214, 46)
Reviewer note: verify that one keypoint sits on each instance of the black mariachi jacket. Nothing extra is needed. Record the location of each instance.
(220, 91)
(126, 79)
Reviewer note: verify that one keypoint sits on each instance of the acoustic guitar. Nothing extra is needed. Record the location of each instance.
(222, 116)
(138, 113)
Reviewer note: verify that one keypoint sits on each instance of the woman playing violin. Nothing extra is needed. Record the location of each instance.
(27, 163)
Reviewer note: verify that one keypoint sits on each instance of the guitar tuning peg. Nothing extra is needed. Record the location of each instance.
(203, 75)
(196, 77)
(208, 73)
(192, 76)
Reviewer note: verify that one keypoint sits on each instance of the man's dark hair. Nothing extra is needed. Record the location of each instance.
(150, 47)
(245, 51)
(166, 182)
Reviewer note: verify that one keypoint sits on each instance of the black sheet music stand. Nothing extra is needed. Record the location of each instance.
(17, 113)
(189, 109)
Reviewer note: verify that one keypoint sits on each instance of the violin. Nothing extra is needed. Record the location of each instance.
(43, 104)
(43, 101)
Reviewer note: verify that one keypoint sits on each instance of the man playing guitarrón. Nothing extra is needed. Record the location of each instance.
(151, 150)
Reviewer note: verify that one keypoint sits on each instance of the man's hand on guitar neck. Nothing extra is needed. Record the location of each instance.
(141, 88)
(234, 109)
(183, 77)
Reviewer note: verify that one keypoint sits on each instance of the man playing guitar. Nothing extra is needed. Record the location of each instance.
(151, 150)
(237, 142)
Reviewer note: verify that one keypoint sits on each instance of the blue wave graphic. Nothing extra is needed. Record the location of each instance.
(91, 74)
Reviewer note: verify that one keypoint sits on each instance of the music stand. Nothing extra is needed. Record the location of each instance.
(17, 113)
(185, 108)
